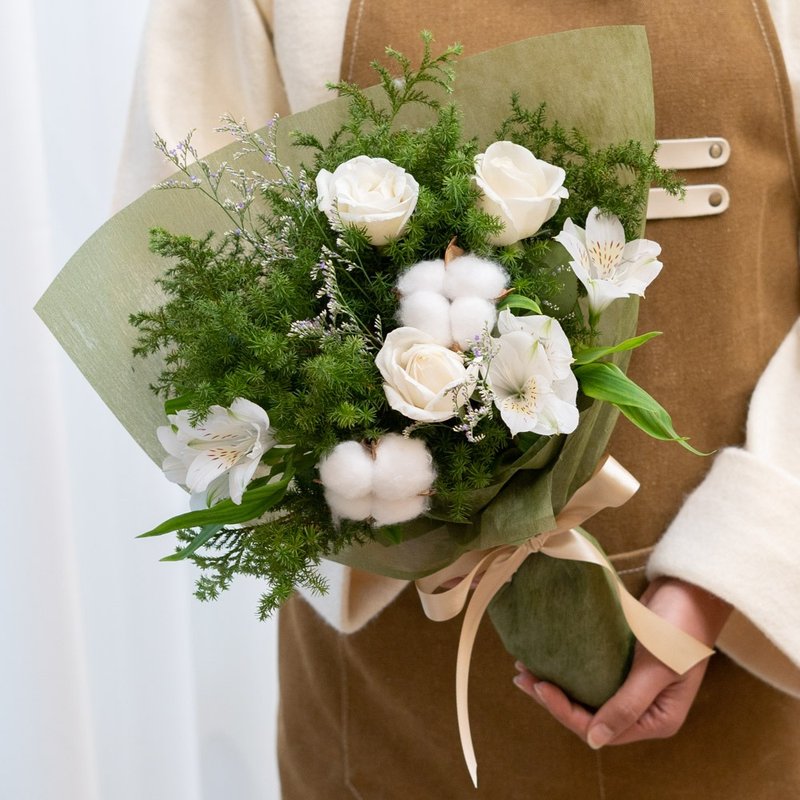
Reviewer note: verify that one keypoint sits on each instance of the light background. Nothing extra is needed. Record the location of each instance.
(114, 682)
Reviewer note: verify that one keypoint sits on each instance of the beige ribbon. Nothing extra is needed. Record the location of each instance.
(611, 486)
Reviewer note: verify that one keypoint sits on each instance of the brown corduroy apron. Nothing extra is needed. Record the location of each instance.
(372, 715)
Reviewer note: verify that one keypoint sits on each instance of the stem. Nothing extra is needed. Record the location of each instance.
(594, 319)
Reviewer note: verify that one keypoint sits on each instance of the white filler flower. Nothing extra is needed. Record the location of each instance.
(225, 448)
(369, 193)
(388, 483)
(423, 380)
(529, 376)
(602, 261)
(520, 189)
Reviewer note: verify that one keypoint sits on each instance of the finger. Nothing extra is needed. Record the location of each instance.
(526, 681)
(668, 711)
(572, 716)
(646, 681)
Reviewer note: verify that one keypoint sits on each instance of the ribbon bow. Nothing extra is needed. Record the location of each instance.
(611, 486)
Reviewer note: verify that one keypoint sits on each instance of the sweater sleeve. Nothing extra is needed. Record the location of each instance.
(738, 534)
(199, 60)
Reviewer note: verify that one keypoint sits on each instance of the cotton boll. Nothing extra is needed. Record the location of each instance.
(347, 471)
(403, 468)
(427, 276)
(471, 276)
(469, 317)
(391, 512)
(429, 312)
(349, 507)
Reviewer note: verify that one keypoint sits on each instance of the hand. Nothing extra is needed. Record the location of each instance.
(654, 701)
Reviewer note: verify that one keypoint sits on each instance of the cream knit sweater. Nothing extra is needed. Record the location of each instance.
(738, 535)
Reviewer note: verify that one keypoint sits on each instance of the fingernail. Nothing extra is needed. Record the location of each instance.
(523, 681)
(599, 735)
(519, 666)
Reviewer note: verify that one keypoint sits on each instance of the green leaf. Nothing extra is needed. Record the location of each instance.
(260, 497)
(658, 425)
(176, 404)
(389, 535)
(607, 382)
(277, 455)
(519, 301)
(527, 440)
(206, 532)
(591, 354)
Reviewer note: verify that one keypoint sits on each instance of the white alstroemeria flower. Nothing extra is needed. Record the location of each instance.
(526, 391)
(604, 263)
(218, 457)
(520, 189)
(550, 335)
(369, 193)
(423, 380)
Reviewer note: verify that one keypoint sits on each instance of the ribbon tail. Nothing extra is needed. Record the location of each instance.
(475, 609)
(669, 644)
(497, 573)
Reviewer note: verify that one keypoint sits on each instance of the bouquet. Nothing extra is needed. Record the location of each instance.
(399, 338)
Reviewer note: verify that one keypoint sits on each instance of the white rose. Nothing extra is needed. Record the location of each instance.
(423, 380)
(520, 189)
(370, 193)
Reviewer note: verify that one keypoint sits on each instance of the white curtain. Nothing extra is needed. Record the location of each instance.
(114, 681)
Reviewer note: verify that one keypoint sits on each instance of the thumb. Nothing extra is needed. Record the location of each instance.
(647, 679)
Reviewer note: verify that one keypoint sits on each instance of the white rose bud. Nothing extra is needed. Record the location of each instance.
(369, 193)
(423, 380)
(520, 189)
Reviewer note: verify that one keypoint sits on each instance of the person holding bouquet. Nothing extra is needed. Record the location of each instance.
(365, 679)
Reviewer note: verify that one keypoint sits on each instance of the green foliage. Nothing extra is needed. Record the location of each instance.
(290, 313)
(602, 380)
(587, 355)
(257, 500)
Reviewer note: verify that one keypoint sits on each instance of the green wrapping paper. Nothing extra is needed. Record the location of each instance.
(563, 619)
(597, 80)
